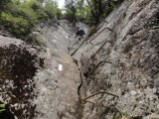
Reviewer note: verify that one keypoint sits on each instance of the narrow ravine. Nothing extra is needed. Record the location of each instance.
(112, 74)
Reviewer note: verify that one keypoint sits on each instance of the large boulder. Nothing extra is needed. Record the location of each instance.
(35, 83)
(18, 65)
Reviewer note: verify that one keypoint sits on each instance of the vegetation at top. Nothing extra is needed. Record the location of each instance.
(90, 12)
(19, 17)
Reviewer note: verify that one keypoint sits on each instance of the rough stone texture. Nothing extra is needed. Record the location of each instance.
(60, 36)
(120, 58)
(32, 84)
(57, 90)
(126, 65)
(18, 65)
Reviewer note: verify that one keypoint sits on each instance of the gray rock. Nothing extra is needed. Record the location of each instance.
(134, 57)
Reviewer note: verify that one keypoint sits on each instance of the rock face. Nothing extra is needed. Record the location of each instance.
(18, 66)
(57, 88)
(56, 83)
(38, 83)
(122, 58)
(118, 69)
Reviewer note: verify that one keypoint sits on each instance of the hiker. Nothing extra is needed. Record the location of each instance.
(5, 113)
(80, 33)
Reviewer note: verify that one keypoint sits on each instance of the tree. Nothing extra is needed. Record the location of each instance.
(101, 8)
(19, 17)
(70, 15)
(3, 4)
(89, 11)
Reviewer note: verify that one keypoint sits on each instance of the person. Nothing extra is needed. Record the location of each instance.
(80, 33)
(5, 113)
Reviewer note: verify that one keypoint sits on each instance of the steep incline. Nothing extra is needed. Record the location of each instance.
(39, 83)
(122, 59)
(117, 75)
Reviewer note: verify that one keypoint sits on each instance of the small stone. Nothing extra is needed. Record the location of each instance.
(133, 92)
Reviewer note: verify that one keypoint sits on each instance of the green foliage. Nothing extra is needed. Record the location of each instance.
(15, 25)
(3, 4)
(52, 10)
(89, 11)
(70, 11)
(101, 8)
(20, 17)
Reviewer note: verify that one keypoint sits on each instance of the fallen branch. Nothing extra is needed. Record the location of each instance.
(98, 92)
(89, 101)
(91, 76)
(92, 57)
(95, 67)
(81, 84)
(78, 48)
(101, 25)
